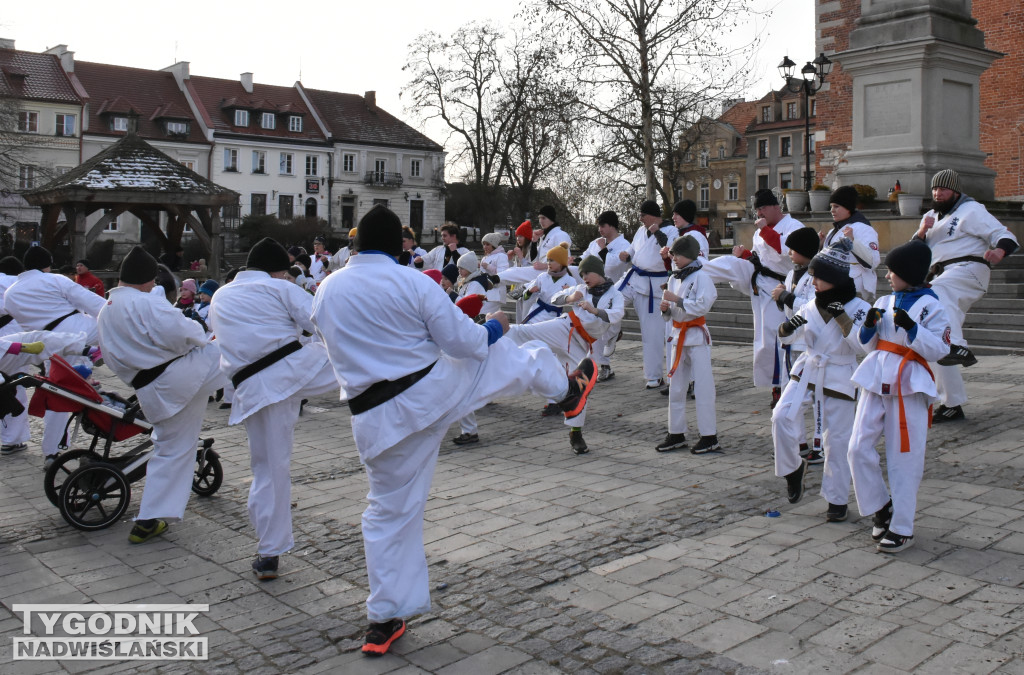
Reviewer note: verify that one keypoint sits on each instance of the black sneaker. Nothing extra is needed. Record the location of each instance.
(466, 439)
(958, 356)
(944, 414)
(12, 448)
(579, 446)
(380, 636)
(606, 373)
(893, 543)
(815, 457)
(776, 395)
(665, 389)
(705, 444)
(581, 383)
(836, 513)
(265, 567)
(880, 521)
(672, 442)
(795, 483)
(804, 450)
(550, 410)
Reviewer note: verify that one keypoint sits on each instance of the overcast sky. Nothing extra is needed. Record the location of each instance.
(339, 46)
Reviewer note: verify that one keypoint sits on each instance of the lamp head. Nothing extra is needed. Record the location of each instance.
(786, 68)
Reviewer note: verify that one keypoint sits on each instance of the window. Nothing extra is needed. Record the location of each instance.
(688, 157)
(733, 191)
(230, 159)
(791, 110)
(241, 118)
(26, 177)
(380, 202)
(786, 149)
(810, 144)
(177, 128)
(258, 205)
(705, 197)
(114, 224)
(189, 164)
(762, 148)
(119, 124)
(786, 180)
(348, 163)
(721, 152)
(65, 125)
(762, 182)
(259, 161)
(814, 107)
(28, 122)
(312, 165)
(380, 167)
(703, 163)
(294, 123)
(285, 207)
(766, 113)
(415, 168)
(268, 121)
(286, 163)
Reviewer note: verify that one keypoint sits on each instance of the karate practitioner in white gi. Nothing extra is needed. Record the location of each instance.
(966, 240)
(39, 300)
(495, 261)
(608, 248)
(641, 286)
(174, 367)
(756, 273)
(902, 332)
(440, 256)
(259, 319)
(14, 428)
(552, 234)
(410, 363)
(849, 223)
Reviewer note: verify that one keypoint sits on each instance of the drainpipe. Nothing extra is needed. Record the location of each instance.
(330, 184)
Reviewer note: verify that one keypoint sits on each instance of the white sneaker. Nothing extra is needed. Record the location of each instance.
(653, 384)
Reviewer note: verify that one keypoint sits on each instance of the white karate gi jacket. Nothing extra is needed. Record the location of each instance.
(614, 268)
(13, 326)
(251, 317)
(612, 302)
(544, 288)
(776, 261)
(37, 298)
(698, 294)
(419, 326)
(969, 229)
(804, 292)
(645, 254)
(434, 259)
(829, 357)
(138, 331)
(493, 264)
(555, 236)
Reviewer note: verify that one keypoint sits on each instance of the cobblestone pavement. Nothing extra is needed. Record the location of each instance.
(620, 561)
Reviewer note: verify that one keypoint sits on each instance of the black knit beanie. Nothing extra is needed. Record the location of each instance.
(804, 241)
(138, 267)
(37, 258)
(380, 230)
(845, 196)
(11, 266)
(608, 218)
(451, 273)
(548, 212)
(687, 210)
(268, 255)
(650, 208)
(765, 197)
(910, 261)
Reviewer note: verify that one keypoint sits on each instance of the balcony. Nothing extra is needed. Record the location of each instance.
(383, 179)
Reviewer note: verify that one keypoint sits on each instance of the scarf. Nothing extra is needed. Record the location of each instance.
(597, 292)
(843, 294)
(687, 271)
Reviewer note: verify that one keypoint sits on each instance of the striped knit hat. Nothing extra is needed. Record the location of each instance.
(947, 178)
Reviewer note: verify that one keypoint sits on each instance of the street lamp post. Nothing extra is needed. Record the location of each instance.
(813, 76)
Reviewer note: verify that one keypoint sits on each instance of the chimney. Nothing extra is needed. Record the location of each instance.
(6, 43)
(67, 58)
(247, 82)
(729, 103)
(180, 72)
(371, 99)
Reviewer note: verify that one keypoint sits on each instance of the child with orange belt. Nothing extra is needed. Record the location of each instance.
(904, 331)
(688, 297)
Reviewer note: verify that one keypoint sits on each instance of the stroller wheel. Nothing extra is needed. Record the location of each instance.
(209, 473)
(62, 467)
(94, 496)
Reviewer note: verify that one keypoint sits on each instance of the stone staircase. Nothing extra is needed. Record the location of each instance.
(995, 325)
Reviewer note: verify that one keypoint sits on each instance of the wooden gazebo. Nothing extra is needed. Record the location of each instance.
(132, 176)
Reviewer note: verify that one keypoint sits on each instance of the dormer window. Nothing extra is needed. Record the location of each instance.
(268, 121)
(119, 123)
(177, 128)
(294, 123)
(241, 118)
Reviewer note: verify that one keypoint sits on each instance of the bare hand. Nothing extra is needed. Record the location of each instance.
(738, 250)
(575, 297)
(665, 252)
(664, 305)
(995, 256)
(502, 318)
(540, 265)
(586, 306)
(926, 224)
(670, 296)
(623, 256)
(453, 246)
(759, 223)
(777, 291)
(417, 260)
(848, 232)
(602, 242)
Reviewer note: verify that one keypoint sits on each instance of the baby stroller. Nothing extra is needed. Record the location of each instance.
(92, 487)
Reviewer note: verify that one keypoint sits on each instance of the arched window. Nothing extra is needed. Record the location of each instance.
(311, 207)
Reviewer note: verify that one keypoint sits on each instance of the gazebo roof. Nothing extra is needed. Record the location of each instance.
(132, 172)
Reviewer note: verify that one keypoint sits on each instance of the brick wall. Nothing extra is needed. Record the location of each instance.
(834, 21)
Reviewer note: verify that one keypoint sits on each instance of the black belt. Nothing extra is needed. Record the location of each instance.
(940, 267)
(264, 362)
(6, 319)
(56, 322)
(385, 390)
(144, 377)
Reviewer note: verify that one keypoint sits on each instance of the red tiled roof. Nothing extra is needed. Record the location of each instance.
(740, 116)
(219, 97)
(37, 77)
(350, 119)
(119, 89)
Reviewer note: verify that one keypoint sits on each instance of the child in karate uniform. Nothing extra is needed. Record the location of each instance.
(903, 331)
(689, 296)
(831, 324)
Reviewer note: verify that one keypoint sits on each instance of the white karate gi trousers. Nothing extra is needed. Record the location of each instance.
(958, 288)
(652, 331)
(555, 334)
(400, 476)
(14, 428)
(767, 315)
(877, 415)
(695, 366)
(271, 432)
(789, 357)
(836, 421)
(468, 424)
(604, 346)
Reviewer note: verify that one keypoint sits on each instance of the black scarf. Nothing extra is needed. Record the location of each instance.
(798, 273)
(687, 271)
(843, 294)
(598, 291)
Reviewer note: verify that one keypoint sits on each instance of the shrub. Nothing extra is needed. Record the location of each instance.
(865, 192)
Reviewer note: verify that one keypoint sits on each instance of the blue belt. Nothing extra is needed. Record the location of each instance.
(644, 273)
(542, 307)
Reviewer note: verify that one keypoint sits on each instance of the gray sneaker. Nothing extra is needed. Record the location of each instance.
(606, 373)
(12, 448)
(49, 460)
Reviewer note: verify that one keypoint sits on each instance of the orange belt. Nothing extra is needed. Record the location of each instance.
(683, 326)
(908, 355)
(577, 326)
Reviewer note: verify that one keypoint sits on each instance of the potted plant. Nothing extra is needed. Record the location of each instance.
(910, 205)
(796, 200)
(819, 197)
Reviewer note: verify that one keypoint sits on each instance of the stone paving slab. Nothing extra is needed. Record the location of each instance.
(621, 561)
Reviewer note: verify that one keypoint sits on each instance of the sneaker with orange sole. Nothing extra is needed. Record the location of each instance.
(380, 636)
(581, 383)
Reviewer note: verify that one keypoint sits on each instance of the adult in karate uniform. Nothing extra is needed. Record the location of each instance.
(440, 256)
(397, 343)
(174, 367)
(39, 300)
(259, 319)
(607, 248)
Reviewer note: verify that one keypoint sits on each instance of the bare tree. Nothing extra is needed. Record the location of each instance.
(17, 153)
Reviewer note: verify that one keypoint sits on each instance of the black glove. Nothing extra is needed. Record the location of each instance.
(789, 327)
(835, 308)
(903, 320)
(874, 314)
